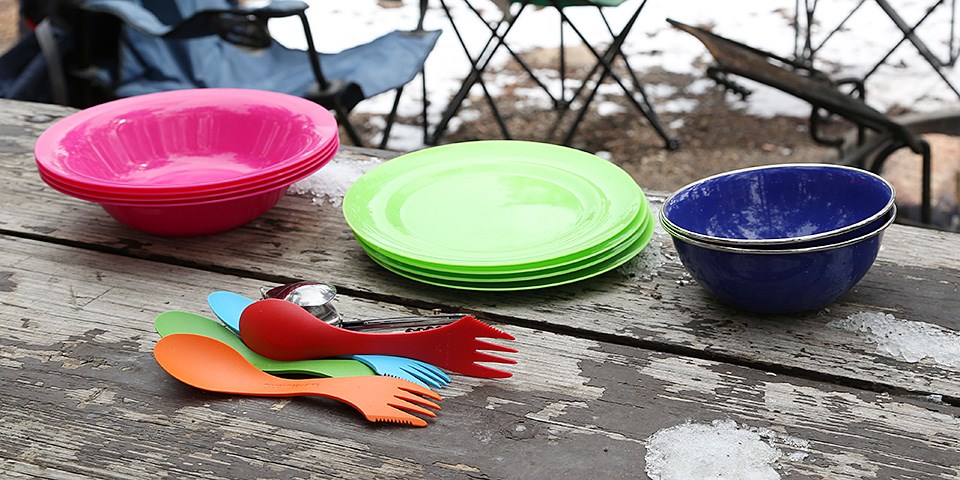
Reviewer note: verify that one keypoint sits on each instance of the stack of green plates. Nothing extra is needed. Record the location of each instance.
(498, 215)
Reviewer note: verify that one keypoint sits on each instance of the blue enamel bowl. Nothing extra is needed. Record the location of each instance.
(786, 280)
(780, 206)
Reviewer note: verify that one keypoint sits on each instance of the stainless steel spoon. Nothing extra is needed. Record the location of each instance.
(312, 296)
(316, 298)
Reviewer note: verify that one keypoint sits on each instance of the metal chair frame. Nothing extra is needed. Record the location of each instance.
(604, 65)
(805, 50)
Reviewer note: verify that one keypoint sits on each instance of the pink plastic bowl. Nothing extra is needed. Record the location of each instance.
(187, 162)
(184, 141)
(195, 219)
(281, 179)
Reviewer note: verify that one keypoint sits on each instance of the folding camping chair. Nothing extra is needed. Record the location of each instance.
(602, 69)
(167, 45)
(867, 152)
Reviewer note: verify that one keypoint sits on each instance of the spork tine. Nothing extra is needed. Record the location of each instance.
(208, 364)
(285, 331)
(406, 368)
(227, 306)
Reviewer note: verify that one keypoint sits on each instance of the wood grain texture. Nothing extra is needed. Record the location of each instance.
(83, 398)
(916, 278)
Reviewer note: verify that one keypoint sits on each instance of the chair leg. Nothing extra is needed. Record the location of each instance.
(455, 104)
(926, 189)
(426, 123)
(562, 101)
(516, 57)
(817, 117)
(605, 61)
(910, 35)
(596, 66)
(476, 68)
(645, 109)
(345, 122)
(391, 117)
(804, 55)
(423, 75)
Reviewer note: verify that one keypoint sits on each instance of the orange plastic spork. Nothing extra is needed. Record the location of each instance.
(285, 331)
(208, 364)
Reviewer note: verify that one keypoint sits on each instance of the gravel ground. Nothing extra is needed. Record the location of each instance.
(8, 23)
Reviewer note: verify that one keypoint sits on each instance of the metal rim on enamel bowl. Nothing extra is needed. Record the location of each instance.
(783, 251)
(748, 243)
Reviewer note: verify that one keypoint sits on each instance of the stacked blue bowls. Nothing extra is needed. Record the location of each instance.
(780, 238)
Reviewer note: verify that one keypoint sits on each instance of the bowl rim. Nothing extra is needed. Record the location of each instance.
(188, 197)
(48, 140)
(745, 242)
(785, 251)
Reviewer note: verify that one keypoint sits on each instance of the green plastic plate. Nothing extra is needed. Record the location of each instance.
(623, 242)
(634, 248)
(532, 270)
(492, 205)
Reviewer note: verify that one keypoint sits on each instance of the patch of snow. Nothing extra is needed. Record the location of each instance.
(330, 183)
(904, 340)
(719, 450)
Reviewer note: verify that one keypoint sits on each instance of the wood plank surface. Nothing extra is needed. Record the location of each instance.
(83, 398)
(650, 303)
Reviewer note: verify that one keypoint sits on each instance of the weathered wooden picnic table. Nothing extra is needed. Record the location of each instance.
(620, 376)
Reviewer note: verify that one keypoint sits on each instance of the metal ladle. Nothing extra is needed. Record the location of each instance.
(316, 298)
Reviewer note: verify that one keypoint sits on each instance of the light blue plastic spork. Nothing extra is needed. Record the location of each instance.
(228, 306)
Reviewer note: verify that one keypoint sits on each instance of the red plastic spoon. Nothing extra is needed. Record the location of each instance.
(285, 331)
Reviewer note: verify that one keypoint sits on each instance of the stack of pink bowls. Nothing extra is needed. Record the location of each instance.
(188, 162)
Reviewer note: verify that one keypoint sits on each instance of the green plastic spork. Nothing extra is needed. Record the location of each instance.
(168, 323)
